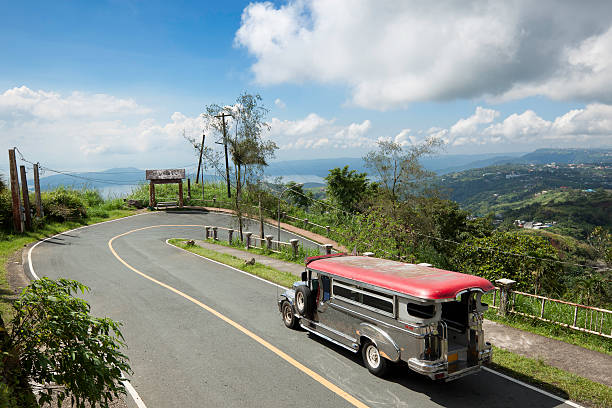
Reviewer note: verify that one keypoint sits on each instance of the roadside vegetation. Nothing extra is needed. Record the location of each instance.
(46, 333)
(552, 379)
(265, 272)
(535, 372)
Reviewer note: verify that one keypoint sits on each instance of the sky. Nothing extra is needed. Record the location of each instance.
(98, 85)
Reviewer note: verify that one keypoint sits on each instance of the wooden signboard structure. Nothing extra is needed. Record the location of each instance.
(165, 176)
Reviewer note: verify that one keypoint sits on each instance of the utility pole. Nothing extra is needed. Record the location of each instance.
(38, 200)
(200, 161)
(17, 223)
(222, 116)
(26, 198)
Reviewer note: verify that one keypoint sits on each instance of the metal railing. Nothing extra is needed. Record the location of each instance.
(575, 316)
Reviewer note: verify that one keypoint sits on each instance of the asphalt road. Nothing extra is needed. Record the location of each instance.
(183, 352)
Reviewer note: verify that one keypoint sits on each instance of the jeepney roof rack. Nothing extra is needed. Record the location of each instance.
(314, 258)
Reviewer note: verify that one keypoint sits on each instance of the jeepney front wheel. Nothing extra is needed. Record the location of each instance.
(288, 316)
(374, 362)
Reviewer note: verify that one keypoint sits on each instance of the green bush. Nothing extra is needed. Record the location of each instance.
(53, 340)
(6, 210)
(64, 203)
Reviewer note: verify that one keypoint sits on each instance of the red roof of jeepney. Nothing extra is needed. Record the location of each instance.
(419, 281)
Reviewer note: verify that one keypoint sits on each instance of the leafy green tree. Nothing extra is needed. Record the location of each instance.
(54, 340)
(347, 187)
(525, 258)
(297, 195)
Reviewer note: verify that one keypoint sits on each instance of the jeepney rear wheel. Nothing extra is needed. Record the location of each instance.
(288, 316)
(374, 362)
(303, 301)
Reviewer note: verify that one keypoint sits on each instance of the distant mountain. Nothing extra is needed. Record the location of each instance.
(566, 156)
(93, 179)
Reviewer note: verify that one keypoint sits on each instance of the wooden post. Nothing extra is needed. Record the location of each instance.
(248, 239)
(180, 193)
(152, 202)
(215, 237)
(328, 249)
(261, 221)
(230, 235)
(38, 199)
(207, 229)
(17, 222)
(26, 198)
(189, 188)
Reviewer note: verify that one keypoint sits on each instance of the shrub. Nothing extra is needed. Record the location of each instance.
(54, 340)
(63, 203)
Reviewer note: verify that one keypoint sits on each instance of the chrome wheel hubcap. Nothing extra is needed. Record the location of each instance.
(373, 356)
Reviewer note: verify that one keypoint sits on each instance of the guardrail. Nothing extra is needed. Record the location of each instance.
(266, 242)
(575, 316)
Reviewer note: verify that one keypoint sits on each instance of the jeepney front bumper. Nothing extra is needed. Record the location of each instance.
(439, 369)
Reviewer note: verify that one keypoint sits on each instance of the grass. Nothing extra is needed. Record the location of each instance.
(551, 330)
(529, 370)
(265, 272)
(286, 253)
(11, 243)
(552, 379)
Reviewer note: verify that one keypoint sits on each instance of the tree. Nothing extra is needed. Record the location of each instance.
(398, 168)
(297, 196)
(347, 187)
(528, 259)
(53, 340)
(249, 151)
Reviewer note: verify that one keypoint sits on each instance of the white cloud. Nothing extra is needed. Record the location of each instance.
(279, 103)
(25, 102)
(391, 54)
(88, 131)
(316, 132)
(591, 125)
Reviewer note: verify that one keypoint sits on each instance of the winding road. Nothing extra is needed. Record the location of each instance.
(202, 334)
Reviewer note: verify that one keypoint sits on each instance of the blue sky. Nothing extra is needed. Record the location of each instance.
(93, 85)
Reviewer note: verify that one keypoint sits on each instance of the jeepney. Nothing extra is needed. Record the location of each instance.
(392, 311)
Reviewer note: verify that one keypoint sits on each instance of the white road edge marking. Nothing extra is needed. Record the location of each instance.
(134, 394)
(126, 383)
(72, 230)
(531, 387)
(227, 266)
(137, 398)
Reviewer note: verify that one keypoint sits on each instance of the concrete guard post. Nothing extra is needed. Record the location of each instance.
(294, 246)
(369, 254)
(269, 241)
(215, 237)
(505, 287)
(248, 239)
(230, 235)
(328, 249)
(207, 228)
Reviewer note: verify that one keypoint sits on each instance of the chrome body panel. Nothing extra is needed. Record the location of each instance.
(437, 346)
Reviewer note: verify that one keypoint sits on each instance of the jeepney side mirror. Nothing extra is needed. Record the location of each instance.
(304, 276)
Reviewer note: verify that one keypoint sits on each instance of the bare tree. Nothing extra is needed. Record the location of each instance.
(398, 168)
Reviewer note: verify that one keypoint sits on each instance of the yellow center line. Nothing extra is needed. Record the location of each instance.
(317, 377)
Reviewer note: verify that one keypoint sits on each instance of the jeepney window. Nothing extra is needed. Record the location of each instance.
(325, 284)
(421, 311)
(367, 297)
